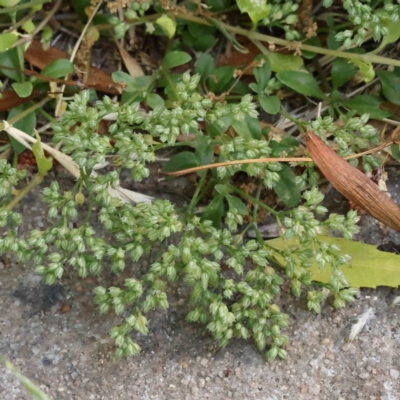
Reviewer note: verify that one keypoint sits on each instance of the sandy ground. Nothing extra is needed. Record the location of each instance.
(55, 335)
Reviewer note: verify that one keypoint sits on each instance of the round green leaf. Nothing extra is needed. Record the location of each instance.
(249, 128)
(288, 145)
(341, 72)
(9, 3)
(286, 187)
(23, 89)
(222, 189)
(154, 100)
(205, 65)
(214, 211)
(366, 104)
(395, 151)
(300, 82)
(390, 86)
(237, 204)
(257, 10)
(183, 160)
(285, 62)
(58, 68)
(270, 104)
(262, 73)
(7, 40)
(175, 58)
(167, 24)
(204, 151)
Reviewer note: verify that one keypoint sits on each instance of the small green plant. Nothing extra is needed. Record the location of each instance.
(233, 281)
(235, 303)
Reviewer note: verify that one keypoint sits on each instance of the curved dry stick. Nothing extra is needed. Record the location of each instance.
(275, 159)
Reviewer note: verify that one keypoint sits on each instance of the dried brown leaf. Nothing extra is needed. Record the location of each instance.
(97, 79)
(10, 99)
(131, 64)
(352, 183)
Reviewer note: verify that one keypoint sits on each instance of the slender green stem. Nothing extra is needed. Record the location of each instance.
(287, 43)
(196, 193)
(205, 189)
(255, 212)
(37, 180)
(294, 120)
(47, 116)
(171, 83)
(254, 200)
(29, 110)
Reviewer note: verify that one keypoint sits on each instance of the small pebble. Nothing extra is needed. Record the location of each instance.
(394, 373)
(364, 376)
(204, 362)
(315, 389)
(330, 356)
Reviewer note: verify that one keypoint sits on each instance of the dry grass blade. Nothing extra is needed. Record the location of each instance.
(125, 195)
(131, 64)
(352, 183)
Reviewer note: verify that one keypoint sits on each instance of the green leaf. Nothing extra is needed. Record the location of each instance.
(79, 6)
(285, 62)
(249, 128)
(314, 41)
(139, 83)
(395, 151)
(43, 163)
(288, 145)
(366, 69)
(222, 189)
(257, 10)
(167, 24)
(7, 40)
(263, 73)
(390, 86)
(26, 124)
(300, 82)
(174, 59)
(221, 79)
(218, 5)
(58, 68)
(10, 61)
(214, 211)
(332, 43)
(286, 187)
(28, 26)
(270, 104)
(180, 161)
(198, 30)
(341, 72)
(204, 151)
(218, 128)
(392, 36)
(366, 104)
(23, 89)
(153, 100)
(237, 204)
(202, 43)
(205, 65)
(369, 267)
